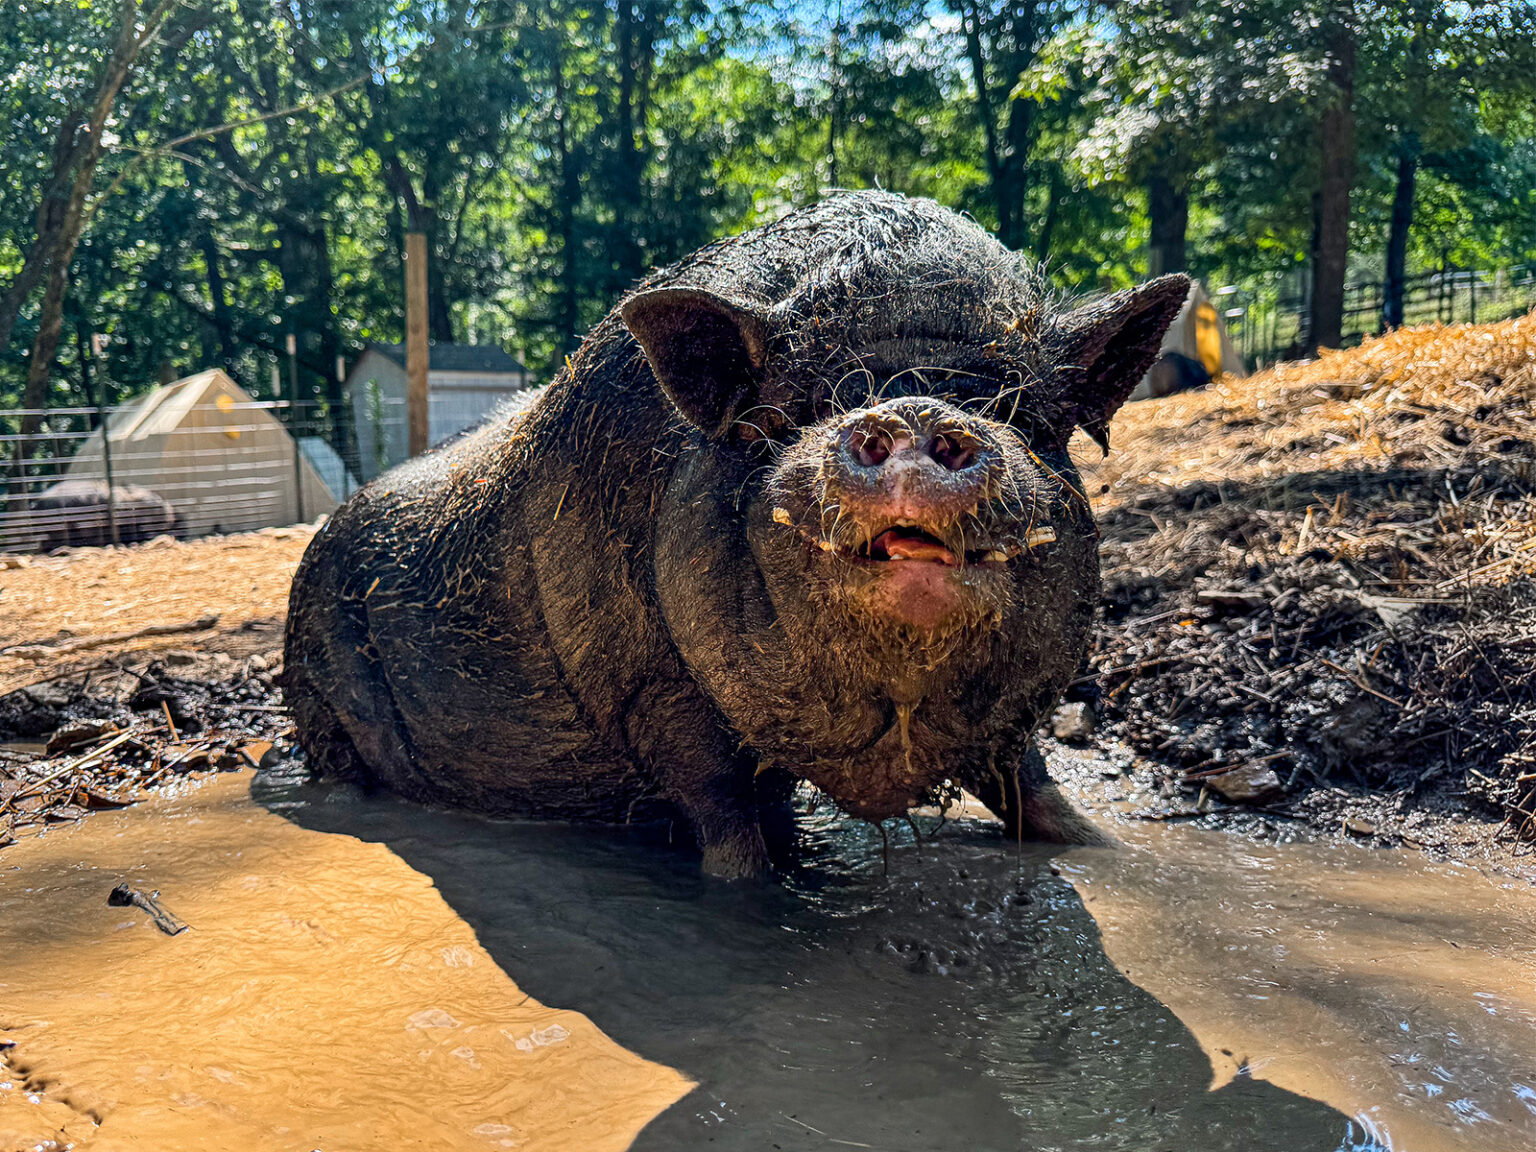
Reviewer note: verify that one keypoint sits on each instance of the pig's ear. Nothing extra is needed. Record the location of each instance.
(1106, 348)
(707, 351)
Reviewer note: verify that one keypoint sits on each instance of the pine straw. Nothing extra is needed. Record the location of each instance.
(1330, 568)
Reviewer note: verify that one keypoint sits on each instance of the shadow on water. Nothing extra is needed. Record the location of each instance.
(963, 1001)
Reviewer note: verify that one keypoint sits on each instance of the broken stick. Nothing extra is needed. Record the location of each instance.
(124, 896)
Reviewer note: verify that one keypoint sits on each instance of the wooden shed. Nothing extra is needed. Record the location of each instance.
(465, 384)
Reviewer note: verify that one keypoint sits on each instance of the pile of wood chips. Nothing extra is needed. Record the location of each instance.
(1326, 573)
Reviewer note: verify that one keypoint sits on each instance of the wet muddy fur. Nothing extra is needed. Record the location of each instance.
(801, 507)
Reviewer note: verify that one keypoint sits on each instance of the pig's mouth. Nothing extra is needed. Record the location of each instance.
(908, 542)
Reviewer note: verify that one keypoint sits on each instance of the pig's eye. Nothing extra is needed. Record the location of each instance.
(760, 424)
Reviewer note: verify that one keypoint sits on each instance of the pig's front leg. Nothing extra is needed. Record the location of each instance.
(1030, 804)
(681, 738)
(730, 839)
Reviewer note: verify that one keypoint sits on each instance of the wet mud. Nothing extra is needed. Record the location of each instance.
(1400, 990)
(963, 1000)
(324, 997)
(365, 973)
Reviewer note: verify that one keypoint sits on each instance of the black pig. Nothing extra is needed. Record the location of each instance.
(801, 507)
(73, 513)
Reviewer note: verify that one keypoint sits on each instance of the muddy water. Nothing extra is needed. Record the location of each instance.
(1187, 992)
(1398, 990)
(963, 1001)
(324, 997)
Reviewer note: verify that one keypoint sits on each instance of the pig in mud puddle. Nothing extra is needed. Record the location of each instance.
(800, 508)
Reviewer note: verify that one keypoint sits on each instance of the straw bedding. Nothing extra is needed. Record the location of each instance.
(1329, 569)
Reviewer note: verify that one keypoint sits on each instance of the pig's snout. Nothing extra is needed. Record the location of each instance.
(872, 446)
(913, 460)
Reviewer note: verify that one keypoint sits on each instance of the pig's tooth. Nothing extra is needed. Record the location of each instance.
(996, 556)
(782, 516)
(1039, 536)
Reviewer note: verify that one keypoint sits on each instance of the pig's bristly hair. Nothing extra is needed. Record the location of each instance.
(866, 268)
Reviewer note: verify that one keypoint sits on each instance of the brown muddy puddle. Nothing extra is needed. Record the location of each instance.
(1398, 990)
(348, 983)
(324, 997)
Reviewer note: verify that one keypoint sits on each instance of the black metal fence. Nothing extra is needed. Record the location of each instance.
(1268, 322)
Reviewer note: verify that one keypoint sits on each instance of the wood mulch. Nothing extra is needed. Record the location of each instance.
(1323, 577)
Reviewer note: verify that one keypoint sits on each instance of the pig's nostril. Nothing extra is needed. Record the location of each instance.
(869, 447)
(952, 452)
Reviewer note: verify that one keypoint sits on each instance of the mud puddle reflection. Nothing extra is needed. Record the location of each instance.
(963, 1002)
(1398, 990)
(325, 998)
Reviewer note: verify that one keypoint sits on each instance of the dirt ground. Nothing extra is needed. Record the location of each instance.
(1320, 592)
(61, 613)
(128, 669)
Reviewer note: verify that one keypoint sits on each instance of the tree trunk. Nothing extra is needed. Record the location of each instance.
(1014, 182)
(1336, 139)
(1021, 128)
(1397, 234)
(570, 192)
(1007, 156)
(50, 321)
(44, 347)
(970, 22)
(77, 152)
(1168, 210)
(421, 216)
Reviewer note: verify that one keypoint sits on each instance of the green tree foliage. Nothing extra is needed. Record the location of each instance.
(198, 180)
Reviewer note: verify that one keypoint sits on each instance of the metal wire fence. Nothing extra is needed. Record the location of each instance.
(201, 456)
(184, 461)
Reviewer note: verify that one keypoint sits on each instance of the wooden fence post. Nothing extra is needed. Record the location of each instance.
(416, 351)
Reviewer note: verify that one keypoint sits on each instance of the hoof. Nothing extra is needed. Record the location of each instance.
(1049, 816)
